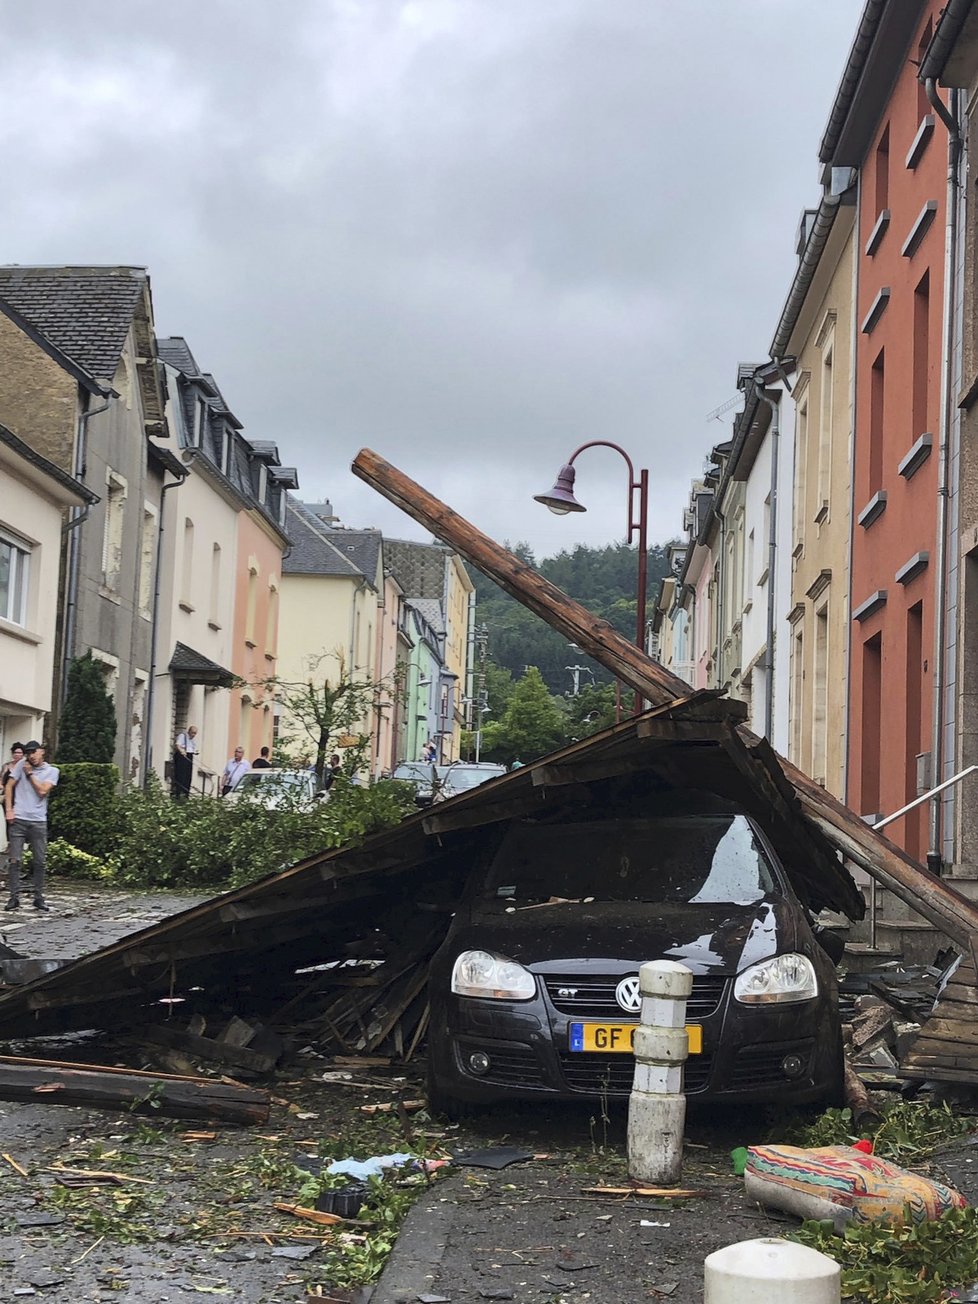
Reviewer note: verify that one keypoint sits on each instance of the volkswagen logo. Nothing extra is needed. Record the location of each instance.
(627, 994)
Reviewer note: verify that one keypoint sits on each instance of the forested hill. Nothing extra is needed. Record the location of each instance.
(601, 579)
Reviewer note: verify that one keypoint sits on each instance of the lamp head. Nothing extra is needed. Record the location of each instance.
(560, 499)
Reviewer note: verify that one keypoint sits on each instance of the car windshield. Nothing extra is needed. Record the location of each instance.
(414, 771)
(459, 778)
(694, 859)
(272, 779)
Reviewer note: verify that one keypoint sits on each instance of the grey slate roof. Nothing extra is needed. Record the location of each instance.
(418, 567)
(430, 610)
(312, 552)
(85, 311)
(188, 664)
(362, 547)
(175, 351)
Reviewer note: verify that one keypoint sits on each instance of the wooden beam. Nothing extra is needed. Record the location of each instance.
(933, 898)
(101, 1087)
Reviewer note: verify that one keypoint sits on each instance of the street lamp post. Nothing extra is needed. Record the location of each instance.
(560, 499)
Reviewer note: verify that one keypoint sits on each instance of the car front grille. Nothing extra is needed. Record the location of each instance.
(510, 1065)
(612, 1075)
(594, 996)
(760, 1066)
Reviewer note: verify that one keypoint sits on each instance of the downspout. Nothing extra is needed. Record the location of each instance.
(848, 642)
(772, 553)
(949, 116)
(78, 516)
(151, 689)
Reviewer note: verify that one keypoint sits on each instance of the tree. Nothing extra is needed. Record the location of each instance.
(591, 710)
(322, 714)
(88, 725)
(534, 723)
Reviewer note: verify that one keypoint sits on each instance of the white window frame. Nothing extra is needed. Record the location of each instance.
(20, 578)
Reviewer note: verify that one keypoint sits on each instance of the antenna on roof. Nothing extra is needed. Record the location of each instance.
(718, 412)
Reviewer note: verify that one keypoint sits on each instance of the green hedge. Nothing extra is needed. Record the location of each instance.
(84, 808)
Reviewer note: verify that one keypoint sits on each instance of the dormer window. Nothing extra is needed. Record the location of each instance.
(262, 482)
(200, 416)
(226, 444)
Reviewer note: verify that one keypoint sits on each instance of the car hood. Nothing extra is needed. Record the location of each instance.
(720, 939)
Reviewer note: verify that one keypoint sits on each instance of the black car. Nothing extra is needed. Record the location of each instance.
(535, 990)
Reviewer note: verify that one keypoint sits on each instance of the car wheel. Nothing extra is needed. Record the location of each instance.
(443, 1103)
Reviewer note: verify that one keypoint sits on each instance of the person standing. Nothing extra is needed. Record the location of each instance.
(26, 792)
(16, 754)
(235, 768)
(261, 761)
(184, 751)
(335, 767)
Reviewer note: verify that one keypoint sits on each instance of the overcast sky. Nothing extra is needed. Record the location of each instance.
(468, 234)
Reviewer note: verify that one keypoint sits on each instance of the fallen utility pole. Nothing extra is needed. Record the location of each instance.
(923, 891)
(101, 1087)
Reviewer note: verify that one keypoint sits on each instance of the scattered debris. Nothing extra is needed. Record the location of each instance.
(655, 1192)
(497, 1157)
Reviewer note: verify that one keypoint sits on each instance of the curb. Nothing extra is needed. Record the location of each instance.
(413, 1265)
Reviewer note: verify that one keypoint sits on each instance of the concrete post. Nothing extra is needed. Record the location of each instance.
(770, 1269)
(657, 1106)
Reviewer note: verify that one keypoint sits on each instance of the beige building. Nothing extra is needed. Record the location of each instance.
(329, 610)
(816, 328)
(34, 498)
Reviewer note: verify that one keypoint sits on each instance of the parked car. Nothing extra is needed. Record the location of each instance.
(275, 789)
(534, 992)
(439, 782)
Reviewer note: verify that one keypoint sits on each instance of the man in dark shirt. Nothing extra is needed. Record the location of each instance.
(262, 762)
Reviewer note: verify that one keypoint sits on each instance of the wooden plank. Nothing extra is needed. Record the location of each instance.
(208, 1050)
(101, 1087)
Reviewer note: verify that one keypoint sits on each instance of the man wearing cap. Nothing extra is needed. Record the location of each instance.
(26, 794)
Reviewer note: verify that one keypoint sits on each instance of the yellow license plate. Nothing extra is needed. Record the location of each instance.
(616, 1038)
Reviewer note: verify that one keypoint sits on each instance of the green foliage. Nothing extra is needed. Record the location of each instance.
(87, 726)
(909, 1130)
(602, 579)
(532, 725)
(916, 1264)
(205, 843)
(70, 862)
(83, 808)
(592, 710)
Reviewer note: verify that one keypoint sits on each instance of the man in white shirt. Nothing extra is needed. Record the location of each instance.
(29, 784)
(235, 768)
(184, 751)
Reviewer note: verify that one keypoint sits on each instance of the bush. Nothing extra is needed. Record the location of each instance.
(87, 727)
(68, 862)
(84, 807)
(212, 844)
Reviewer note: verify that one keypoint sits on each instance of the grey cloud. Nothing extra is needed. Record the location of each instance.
(469, 233)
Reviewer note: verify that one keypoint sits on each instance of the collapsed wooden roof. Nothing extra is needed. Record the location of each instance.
(377, 901)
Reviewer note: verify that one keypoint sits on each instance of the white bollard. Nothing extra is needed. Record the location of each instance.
(657, 1106)
(750, 1272)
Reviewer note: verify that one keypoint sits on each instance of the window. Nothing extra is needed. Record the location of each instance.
(796, 711)
(187, 569)
(801, 468)
(215, 598)
(923, 103)
(913, 703)
(226, 446)
(15, 562)
(883, 171)
(872, 702)
(820, 690)
(876, 412)
(262, 483)
(921, 358)
(147, 552)
(252, 602)
(112, 538)
(826, 399)
(271, 626)
(200, 419)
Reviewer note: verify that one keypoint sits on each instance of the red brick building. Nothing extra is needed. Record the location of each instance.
(883, 125)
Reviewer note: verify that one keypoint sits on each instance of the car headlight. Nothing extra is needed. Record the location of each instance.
(480, 973)
(783, 979)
